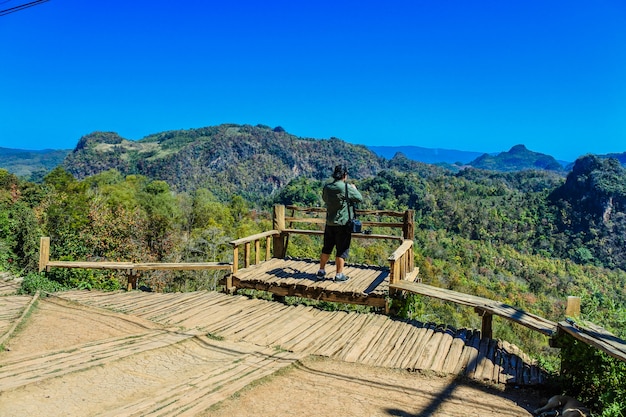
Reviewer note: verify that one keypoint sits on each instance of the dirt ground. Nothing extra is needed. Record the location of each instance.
(312, 386)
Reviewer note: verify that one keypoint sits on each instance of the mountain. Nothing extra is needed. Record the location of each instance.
(518, 158)
(231, 159)
(426, 155)
(28, 164)
(591, 209)
(621, 157)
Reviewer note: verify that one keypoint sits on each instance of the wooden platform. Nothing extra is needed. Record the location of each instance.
(371, 339)
(368, 285)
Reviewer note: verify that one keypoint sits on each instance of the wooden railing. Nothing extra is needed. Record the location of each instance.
(401, 261)
(247, 243)
(131, 269)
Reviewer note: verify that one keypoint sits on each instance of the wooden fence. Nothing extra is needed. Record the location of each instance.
(131, 269)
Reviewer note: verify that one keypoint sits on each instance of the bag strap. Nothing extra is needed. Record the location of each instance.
(348, 203)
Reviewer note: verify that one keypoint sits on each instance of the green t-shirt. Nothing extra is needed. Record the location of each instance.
(334, 195)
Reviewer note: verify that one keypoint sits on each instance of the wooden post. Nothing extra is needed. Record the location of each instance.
(267, 248)
(486, 329)
(230, 288)
(573, 307)
(393, 271)
(132, 280)
(408, 230)
(257, 251)
(235, 259)
(44, 252)
(279, 224)
(246, 256)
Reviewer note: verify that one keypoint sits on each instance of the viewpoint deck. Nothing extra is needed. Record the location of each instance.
(368, 285)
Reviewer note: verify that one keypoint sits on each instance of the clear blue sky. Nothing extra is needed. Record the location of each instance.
(453, 74)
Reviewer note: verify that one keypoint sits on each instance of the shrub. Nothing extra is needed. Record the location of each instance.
(34, 282)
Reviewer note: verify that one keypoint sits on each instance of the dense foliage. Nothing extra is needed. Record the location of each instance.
(527, 238)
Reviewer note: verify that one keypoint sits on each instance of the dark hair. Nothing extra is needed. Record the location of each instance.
(340, 172)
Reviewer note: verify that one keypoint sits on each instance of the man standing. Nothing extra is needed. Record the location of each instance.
(338, 198)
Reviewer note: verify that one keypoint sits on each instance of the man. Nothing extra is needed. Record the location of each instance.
(337, 236)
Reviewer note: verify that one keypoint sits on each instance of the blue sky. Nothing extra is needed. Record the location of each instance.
(470, 75)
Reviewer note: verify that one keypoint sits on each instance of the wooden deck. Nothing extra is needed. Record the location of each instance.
(371, 339)
(368, 285)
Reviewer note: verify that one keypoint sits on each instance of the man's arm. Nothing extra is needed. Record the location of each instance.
(354, 195)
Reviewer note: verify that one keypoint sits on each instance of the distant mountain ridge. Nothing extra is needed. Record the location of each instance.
(518, 158)
(244, 155)
(29, 163)
(427, 155)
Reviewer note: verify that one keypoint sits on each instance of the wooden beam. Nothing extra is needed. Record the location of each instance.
(516, 315)
(597, 337)
(573, 307)
(486, 329)
(279, 225)
(44, 252)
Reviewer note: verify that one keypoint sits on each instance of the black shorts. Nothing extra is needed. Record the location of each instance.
(338, 237)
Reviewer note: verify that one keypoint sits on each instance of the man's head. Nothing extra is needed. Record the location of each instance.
(340, 172)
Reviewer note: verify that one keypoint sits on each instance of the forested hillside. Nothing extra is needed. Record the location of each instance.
(246, 160)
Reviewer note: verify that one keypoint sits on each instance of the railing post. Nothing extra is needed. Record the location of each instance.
(44, 252)
(408, 229)
(279, 224)
(235, 259)
(572, 308)
(486, 329)
(246, 256)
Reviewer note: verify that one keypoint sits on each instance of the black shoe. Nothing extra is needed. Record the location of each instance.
(341, 278)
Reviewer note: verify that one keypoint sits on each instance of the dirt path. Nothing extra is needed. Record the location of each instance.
(73, 360)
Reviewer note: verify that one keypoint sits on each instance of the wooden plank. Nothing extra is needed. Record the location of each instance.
(354, 235)
(361, 340)
(399, 345)
(442, 351)
(519, 316)
(90, 265)
(597, 337)
(365, 340)
(281, 328)
(349, 326)
(410, 356)
(430, 350)
(359, 212)
(252, 238)
(416, 357)
(484, 372)
(470, 352)
(406, 353)
(455, 352)
(393, 344)
(182, 266)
